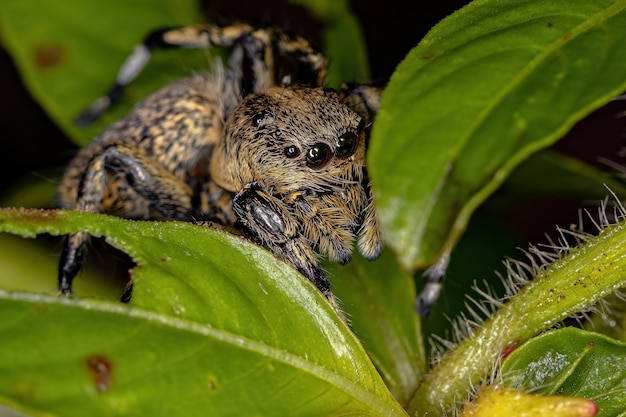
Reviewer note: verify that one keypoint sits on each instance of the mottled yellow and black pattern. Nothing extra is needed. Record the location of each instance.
(262, 149)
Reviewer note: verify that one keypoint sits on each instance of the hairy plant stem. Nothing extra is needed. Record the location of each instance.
(571, 284)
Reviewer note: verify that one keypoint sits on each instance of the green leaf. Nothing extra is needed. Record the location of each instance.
(69, 52)
(487, 87)
(379, 298)
(573, 283)
(213, 318)
(572, 362)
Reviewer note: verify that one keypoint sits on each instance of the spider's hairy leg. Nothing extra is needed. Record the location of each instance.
(370, 241)
(200, 36)
(216, 205)
(434, 276)
(71, 261)
(364, 99)
(268, 221)
(253, 47)
(310, 63)
(120, 181)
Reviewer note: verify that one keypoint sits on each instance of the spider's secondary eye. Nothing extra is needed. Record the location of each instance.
(258, 118)
(292, 151)
(346, 144)
(318, 155)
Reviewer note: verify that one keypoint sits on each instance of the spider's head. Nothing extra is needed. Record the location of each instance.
(290, 139)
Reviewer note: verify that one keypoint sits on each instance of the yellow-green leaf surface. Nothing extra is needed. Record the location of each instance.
(29, 266)
(216, 326)
(504, 402)
(379, 300)
(572, 362)
(488, 86)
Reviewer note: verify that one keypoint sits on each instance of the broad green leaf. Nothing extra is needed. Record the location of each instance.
(213, 318)
(573, 283)
(69, 52)
(378, 299)
(488, 86)
(572, 362)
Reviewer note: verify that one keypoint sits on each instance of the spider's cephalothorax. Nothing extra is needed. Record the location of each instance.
(250, 146)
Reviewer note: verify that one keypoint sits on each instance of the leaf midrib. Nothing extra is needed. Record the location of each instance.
(347, 386)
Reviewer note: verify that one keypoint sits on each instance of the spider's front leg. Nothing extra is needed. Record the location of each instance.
(270, 223)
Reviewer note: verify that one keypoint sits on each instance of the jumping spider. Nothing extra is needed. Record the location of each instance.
(254, 145)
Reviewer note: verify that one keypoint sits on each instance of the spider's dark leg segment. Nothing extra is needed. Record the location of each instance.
(364, 99)
(252, 46)
(273, 57)
(268, 221)
(435, 276)
(71, 261)
(310, 64)
(126, 183)
(122, 182)
(192, 37)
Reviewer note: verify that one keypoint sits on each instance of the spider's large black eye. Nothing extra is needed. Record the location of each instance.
(346, 144)
(292, 151)
(318, 155)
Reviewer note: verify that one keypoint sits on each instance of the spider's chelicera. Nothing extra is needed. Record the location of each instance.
(270, 153)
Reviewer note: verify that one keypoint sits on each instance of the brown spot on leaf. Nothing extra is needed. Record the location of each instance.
(428, 55)
(101, 371)
(48, 55)
(567, 36)
(212, 384)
